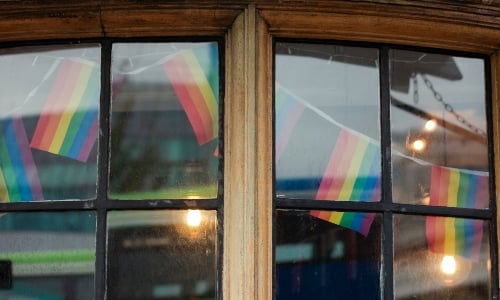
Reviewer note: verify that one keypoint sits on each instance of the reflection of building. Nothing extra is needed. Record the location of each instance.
(146, 245)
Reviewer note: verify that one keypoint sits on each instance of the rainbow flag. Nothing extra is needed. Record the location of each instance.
(194, 77)
(19, 179)
(288, 111)
(454, 236)
(456, 188)
(68, 123)
(352, 174)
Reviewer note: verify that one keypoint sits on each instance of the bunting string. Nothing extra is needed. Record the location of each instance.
(329, 119)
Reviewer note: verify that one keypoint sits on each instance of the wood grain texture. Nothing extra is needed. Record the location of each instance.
(264, 164)
(454, 27)
(44, 20)
(239, 262)
(424, 22)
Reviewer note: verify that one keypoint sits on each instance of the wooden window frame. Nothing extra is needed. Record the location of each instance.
(249, 27)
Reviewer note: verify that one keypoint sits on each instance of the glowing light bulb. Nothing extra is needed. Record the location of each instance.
(418, 145)
(430, 125)
(193, 218)
(448, 265)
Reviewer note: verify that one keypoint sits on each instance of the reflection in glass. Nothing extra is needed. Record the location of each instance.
(52, 254)
(316, 259)
(165, 121)
(441, 258)
(439, 139)
(49, 103)
(162, 254)
(327, 111)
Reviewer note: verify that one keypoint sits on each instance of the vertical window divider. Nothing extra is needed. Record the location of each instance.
(385, 141)
(102, 171)
(492, 70)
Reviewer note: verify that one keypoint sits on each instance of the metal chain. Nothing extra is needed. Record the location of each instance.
(450, 109)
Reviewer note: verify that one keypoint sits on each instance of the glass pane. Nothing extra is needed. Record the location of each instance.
(165, 121)
(52, 254)
(327, 122)
(440, 146)
(316, 259)
(49, 122)
(441, 258)
(162, 254)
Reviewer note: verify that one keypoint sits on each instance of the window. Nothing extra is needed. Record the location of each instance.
(125, 200)
(246, 33)
(421, 216)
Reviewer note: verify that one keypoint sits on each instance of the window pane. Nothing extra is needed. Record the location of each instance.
(49, 104)
(165, 121)
(327, 112)
(162, 254)
(52, 254)
(440, 146)
(316, 259)
(441, 258)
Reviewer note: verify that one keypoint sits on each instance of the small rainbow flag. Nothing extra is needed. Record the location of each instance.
(19, 179)
(68, 123)
(352, 174)
(456, 188)
(288, 111)
(454, 236)
(194, 77)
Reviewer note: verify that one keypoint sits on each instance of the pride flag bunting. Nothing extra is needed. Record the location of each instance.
(456, 188)
(288, 111)
(194, 77)
(19, 179)
(454, 236)
(68, 123)
(352, 174)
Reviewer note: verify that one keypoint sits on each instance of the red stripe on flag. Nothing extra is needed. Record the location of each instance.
(191, 98)
(52, 101)
(60, 104)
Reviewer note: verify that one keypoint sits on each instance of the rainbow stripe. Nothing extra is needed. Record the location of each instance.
(457, 188)
(357, 221)
(68, 123)
(288, 111)
(352, 174)
(194, 77)
(19, 179)
(454, 236)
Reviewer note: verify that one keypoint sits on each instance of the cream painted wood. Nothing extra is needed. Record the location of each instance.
(264, 164)
(240, 157)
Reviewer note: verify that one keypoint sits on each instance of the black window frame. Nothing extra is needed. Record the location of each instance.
(386, 208)
(103, 204)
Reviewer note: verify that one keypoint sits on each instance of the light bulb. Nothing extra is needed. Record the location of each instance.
(193, 218)
(430, 125)
(418, 145)
(448, 265)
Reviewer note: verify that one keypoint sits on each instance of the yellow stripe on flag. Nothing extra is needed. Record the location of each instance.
(453, 185)
(352, 173)
(70, 109)
(4, 193)
(204, 86)
(449, 236)
(336, 217)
